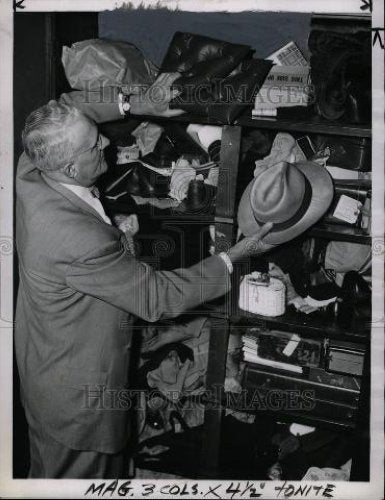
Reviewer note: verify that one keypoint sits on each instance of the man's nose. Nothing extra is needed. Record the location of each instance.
(104, 141)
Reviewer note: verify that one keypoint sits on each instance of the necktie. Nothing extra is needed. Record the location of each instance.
(95, 192)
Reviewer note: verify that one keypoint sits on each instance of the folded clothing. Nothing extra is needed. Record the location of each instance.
(164, 364)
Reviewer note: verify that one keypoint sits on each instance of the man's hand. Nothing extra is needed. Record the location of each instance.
(251, 245)
(127, 223)
(156, 99)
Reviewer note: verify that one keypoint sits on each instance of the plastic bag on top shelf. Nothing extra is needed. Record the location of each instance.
(94, 64)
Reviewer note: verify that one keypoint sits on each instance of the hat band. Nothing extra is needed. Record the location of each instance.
(280, 226)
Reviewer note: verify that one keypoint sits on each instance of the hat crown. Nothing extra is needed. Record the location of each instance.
(277, 193)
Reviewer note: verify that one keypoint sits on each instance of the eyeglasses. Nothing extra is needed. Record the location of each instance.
(100, 144)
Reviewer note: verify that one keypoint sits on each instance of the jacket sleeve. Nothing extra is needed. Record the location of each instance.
(111, 274)
(101, 106)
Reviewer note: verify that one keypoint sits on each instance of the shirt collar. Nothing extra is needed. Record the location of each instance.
(81, 191)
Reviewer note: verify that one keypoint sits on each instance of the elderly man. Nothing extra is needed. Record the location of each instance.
(80, 288)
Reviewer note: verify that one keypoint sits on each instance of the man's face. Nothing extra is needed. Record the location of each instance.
(88, 160)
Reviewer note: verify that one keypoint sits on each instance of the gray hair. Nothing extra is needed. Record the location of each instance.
(45, 136)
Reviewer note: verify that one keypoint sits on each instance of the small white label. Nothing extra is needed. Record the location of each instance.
(347, 209)
(292, 345)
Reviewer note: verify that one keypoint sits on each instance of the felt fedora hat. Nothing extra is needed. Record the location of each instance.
(292, 196)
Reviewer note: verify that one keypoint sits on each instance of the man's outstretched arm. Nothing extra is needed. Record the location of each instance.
(109, 273)
(103, 106)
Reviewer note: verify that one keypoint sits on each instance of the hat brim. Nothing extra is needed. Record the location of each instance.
(322, 196)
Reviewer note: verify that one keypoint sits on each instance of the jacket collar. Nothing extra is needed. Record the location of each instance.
(72, 197)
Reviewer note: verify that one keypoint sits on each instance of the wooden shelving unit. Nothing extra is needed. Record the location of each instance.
(315, 325)
(340, 232)
(226, 317)
(312, 125)
(316, 126)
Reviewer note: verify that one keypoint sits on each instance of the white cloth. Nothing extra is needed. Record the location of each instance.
(204, 134)
(209, 134)
(285, 148)
(84, 193)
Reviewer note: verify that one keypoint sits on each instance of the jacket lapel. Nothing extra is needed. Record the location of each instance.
(75, 200)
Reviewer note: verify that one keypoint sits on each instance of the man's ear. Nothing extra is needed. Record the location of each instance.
(70, 170)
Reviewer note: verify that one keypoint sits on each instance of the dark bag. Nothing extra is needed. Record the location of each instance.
(218, 78)
(341, 69)
(200, 58)
(183, 450)
(353, 153)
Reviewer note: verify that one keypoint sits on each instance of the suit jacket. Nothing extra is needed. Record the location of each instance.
(79, 292)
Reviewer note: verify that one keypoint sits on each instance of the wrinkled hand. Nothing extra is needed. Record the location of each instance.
(156, 99)
(251, 245)
(127, 223)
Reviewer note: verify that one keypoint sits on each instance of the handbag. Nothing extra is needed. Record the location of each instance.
(218, 78)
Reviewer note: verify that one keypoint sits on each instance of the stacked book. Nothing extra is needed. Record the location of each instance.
(286, 85)
(251, 354)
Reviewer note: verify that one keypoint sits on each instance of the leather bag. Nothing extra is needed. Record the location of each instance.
(218, 78)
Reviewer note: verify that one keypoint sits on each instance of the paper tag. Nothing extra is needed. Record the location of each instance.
(292, 345)
(347, 209)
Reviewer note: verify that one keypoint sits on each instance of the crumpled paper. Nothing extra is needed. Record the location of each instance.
(147, 135)
(292, 297)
